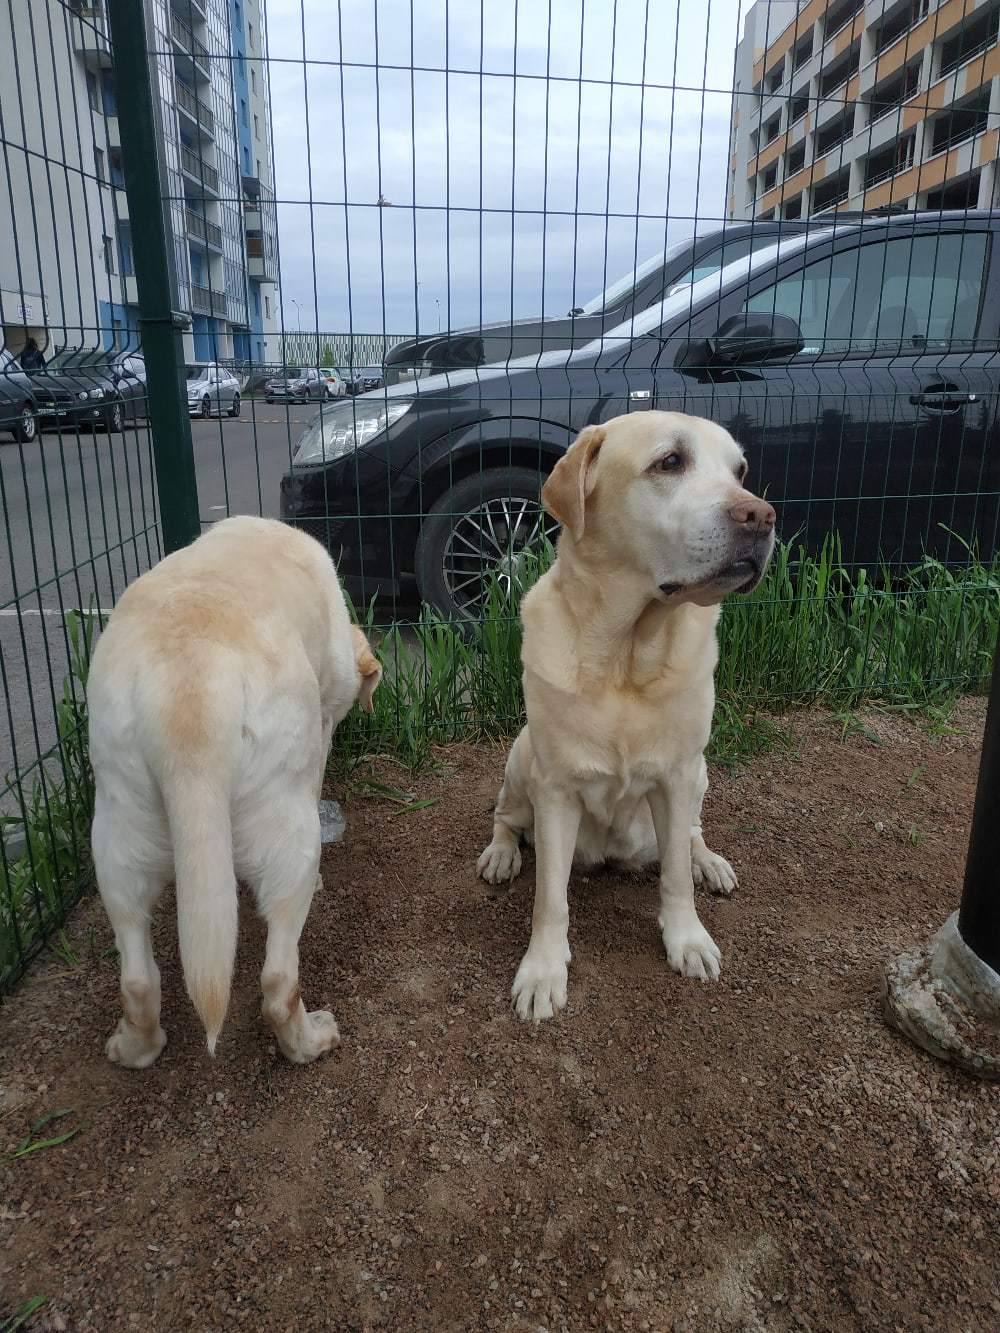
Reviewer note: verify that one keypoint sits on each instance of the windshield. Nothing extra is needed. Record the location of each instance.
(616, 293)
(73, 359)
(293, 372)
(196, 372)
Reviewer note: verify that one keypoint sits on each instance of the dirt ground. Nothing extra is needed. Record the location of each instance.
(762, 1154)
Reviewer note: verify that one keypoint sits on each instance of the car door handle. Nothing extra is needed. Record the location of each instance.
(943, 398)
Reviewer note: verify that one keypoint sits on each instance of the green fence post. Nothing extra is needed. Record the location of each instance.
(162, 345)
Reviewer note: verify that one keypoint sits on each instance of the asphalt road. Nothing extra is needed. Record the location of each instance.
(79, 524)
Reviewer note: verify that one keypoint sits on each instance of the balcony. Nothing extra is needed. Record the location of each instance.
(198, 170)
(188, 9)
(195, 50)
(262, 263)
(195, 108)
(205, 301)
(90, 34)
(200, 229)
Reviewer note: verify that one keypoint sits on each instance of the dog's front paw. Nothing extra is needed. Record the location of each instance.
(712, 870)
(539, 987)
(691, 951)
(500, 861)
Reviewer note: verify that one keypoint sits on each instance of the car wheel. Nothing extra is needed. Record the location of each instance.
(268, 400)
(26, 429)
(206, 406)
(234, 411)
(114, 419)
(478, 531)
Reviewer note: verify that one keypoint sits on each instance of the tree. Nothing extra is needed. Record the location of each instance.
(327, 359)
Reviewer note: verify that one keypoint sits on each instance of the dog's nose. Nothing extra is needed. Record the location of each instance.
(755, 515)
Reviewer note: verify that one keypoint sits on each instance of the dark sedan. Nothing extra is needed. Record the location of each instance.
(91, 387)
(855, 365)
(18, 409)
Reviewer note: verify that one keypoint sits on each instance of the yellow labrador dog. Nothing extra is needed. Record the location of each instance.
(213, 693)
(619, 652)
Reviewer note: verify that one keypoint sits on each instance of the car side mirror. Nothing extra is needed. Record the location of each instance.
(757, 335)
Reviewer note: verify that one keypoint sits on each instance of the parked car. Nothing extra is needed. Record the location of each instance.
(212, 390)
(335, 385)
(363, 379)
(856, 365)
(296, 385)
(78, 387)
(18, 409)
(651, 282)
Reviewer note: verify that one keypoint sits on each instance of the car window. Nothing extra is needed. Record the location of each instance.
(908, 294)
(136, 367)
(725, 254)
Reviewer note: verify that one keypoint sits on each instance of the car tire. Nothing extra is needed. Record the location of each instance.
(114, 419)
(444, 559)
(234, 411)
(206, 406)
(268, 400)
(26, 430)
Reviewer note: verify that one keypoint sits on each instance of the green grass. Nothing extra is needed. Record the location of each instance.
(810, 633)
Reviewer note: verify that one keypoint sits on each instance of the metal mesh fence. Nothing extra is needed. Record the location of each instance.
(392, 258)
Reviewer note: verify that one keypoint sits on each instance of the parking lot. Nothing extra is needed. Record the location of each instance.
(67, 495)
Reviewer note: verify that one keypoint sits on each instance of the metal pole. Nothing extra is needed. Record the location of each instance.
(979, 915)
(946, 998)
(161, 324)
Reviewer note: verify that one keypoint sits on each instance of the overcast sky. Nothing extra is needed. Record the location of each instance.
(500, 188)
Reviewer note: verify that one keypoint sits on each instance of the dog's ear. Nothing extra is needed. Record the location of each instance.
(572, 479)
(369, 668)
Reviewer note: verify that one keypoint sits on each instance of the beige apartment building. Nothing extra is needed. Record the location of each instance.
(851, 104)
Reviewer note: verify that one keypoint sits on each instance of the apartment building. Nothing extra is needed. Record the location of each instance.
(852, 104)
(67, 275)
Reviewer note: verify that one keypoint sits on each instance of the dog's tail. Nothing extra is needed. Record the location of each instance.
(201, 832)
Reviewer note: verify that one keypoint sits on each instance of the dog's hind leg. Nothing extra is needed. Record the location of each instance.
(707, 868)
(129, 891)
(512, 816)
(284, 881)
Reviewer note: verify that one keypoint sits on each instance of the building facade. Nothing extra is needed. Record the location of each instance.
(67, 275)
(862, 105)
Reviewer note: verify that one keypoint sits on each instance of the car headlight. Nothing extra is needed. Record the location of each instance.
(83, 394)
(97, 393)
(343, 429)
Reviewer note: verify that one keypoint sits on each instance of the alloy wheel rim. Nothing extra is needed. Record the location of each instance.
(492, 540)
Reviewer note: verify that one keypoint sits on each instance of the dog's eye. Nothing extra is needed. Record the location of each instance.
(669, 463)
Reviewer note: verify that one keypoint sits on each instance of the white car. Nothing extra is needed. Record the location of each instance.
(212, 390)
(335, 385)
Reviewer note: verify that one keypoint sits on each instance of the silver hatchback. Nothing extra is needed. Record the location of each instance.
(212, 390)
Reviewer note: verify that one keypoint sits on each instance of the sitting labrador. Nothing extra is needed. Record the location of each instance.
(213, 693)
(619, 653)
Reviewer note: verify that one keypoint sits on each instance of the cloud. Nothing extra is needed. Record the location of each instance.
(528, 162)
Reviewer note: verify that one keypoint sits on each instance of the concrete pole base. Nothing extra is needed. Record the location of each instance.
(947, 1001)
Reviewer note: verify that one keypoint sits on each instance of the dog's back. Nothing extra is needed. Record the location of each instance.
(213, 692)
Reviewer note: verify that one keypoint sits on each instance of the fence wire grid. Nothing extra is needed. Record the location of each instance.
(400, 255)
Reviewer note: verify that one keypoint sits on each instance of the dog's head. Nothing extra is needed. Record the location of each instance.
(369, 669)
(661, 495)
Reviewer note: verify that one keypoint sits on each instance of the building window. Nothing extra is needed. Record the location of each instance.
(803, 51)
(249, 33)
(259, 172)
(99, 164)
(93, 92)
(109, 254)
(961, 123)
(256, 127)
(243, 112)
(267, 307)
(795, 159)
(798, 106)
(793, 209)
(253, 80)
(770, 178)
(772, 129)
(776, 77)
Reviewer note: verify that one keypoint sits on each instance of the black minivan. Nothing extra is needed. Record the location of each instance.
(857, 364)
